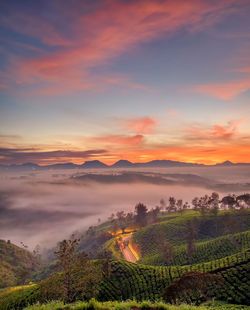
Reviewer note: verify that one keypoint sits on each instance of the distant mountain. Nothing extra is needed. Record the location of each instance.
(123, 164)
(229, 163)
(24, 166)
(62, 166)
(167, 163)
(93, 164)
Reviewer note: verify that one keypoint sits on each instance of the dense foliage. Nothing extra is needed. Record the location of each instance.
(16, 264)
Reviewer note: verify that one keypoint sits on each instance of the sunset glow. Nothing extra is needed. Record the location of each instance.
(136, 80)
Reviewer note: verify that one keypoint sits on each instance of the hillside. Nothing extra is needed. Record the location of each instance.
(16, 264)
(222, 234)
(140, 282)
(221, 248)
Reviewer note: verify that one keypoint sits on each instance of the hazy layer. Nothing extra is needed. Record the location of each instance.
(43, 207)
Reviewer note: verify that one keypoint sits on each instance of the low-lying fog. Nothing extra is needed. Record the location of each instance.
(45, 206)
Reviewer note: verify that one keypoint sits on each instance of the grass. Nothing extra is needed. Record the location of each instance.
(129, 305)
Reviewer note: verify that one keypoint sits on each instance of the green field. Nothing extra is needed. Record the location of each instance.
(216, 237)
(217, 252)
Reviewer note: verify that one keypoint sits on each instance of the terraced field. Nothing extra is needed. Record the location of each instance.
(140, 282)
(222, 231)
(148, 283)
(205, 250)
(217, 252)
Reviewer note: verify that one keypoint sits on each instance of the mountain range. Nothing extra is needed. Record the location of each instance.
(96, 164)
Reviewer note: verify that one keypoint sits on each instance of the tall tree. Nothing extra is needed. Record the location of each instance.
(172, 204)
(141, 214)
(191, 235)
(79, 276)
(214, 203)
(167, 252)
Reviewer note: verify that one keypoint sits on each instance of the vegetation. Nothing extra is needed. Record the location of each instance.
(176, 230)
(188, 256)
(204, 250)
(16, 264)
(131, 305)
(78, 277)
(128, 281)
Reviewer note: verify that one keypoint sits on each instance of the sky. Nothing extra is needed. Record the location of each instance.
(124, 79)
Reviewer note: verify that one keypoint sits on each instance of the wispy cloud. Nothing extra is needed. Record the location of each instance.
(215, 132)
(224, 90)
(118, 140)
(110, 29)
(23, 155)
(140, 125)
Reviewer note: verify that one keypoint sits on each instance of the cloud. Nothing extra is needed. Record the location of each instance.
(140, 125)
(23, 155)
(225, 90)
(119, 140)
(10, 216)
(98, 36)
(215, 132)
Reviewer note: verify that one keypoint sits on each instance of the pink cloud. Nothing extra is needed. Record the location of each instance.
(141, 125)
(215, 132)
(118, 140)
(224, 91)
(114, 28)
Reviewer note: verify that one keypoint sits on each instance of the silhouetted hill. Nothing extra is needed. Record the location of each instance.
(62, 166)
(123, 164)
(93, 164)
(119, 164)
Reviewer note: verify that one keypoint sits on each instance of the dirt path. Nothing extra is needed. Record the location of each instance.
(127, 249)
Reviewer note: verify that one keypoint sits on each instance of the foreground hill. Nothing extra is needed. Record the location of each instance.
(135, 281)
(132, 305)
(16, 264)
(221, 248)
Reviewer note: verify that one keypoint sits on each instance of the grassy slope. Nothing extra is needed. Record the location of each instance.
(174, 229)
(205, 250)
(15, 264)
(140, 282)
(148, 282)
(129, 281)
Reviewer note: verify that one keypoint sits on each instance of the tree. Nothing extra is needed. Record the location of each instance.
(162, 204)
(79, 276)
(193, 288)
(106, 257)
(153, 214)
(201, 204)
(179, 205)
(214, 203)
(228, 201)
(167, 252)
(243, 200)
(195, 203)
(172, 204)
(121, 220)
(186, 206)
(191, 235)
(141, 214)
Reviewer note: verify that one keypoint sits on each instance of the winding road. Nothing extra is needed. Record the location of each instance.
(127, 249)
